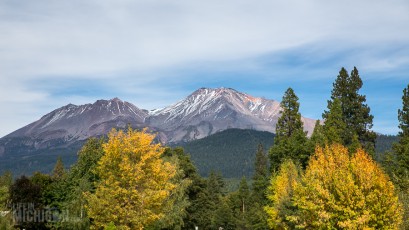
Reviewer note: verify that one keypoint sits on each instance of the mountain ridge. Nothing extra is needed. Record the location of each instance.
(204, 112)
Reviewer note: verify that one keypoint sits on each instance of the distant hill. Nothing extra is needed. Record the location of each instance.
(231, 152)
(384, 143)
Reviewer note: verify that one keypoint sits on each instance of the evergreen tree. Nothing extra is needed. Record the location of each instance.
(244, 198)
(223, 216)
(81, 178)
(260, 176)
(195, 191)
(256, 217)
(397, 161)
(317, 138)
(402, 147)
(58, 171)
(334, 127)
(355, 113)
(239, 203)
(215, 185)
(176, 212)
(290, 141)
(46, 183)
(207, 202)
(289, 122)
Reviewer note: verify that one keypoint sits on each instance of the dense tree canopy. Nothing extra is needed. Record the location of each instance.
(337, 190)
(135, 185)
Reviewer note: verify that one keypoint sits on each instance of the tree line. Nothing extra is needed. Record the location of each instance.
(331, 180)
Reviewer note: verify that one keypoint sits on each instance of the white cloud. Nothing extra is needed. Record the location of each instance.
(136, 40)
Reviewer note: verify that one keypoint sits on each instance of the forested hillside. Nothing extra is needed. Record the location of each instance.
(384, 142)
(231, 152)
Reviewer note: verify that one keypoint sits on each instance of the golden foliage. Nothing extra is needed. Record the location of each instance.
(343, 191)
(135, 182)
(280, 192)
(337, 191)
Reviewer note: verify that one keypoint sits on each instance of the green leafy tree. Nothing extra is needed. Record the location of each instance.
(290, 141)
(355, 113)
(5, 183)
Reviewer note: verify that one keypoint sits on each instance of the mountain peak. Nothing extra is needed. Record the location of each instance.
(205, 90)
(204, 112)
(115, 99)
(209, 110)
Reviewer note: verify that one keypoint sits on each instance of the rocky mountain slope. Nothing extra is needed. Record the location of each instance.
(75, 123)
(207, 111)
(204, 112)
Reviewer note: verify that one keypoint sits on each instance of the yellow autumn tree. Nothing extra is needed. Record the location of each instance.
(280, 193)
(135, 183)
(340, 191)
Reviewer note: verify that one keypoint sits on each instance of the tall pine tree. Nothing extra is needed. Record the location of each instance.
(402, 147)
(317, 137)
(260, 177)
(397, 162)
(290, 140)
(355, 113)
(256, 217)
(334, 127)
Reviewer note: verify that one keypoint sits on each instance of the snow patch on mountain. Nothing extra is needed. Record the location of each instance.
(204, 112)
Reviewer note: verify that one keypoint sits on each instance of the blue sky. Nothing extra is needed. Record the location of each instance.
(154, 53)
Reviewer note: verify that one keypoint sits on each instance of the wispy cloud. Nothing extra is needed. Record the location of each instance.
(153, 52)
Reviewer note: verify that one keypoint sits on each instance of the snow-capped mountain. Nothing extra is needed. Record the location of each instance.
(204, 112)
(207, 111)
(63, 131)
(72, 123)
